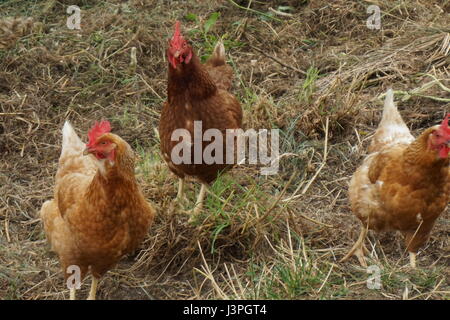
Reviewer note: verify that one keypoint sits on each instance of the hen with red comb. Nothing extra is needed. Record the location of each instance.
(98, 213)
(403, 184)
(197, 92)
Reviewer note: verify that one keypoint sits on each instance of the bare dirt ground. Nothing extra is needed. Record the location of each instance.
(312, 69)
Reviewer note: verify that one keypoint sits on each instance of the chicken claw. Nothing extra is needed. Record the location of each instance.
(358, 249)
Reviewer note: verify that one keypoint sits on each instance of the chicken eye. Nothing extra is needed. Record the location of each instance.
(103, 142)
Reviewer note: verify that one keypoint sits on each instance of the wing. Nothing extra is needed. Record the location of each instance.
(58, 233)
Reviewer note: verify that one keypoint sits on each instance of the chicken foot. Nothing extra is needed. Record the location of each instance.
(358, 249)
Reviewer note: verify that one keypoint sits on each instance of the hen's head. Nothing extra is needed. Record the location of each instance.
(179, 50)
(101, 143)
(440, 138)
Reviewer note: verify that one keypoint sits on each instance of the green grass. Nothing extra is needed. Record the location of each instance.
(309, 85)
(228, 208)
(205, 38)
(128, 117)
(269, 247)
(148, 159)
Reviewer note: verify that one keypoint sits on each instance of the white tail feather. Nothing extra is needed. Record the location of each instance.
(392, 128)
(391, 116)
(70, 140)
(219, 50)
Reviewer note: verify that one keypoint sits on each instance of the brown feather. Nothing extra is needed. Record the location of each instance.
(194, 95)
(401, 187)
(96, 217)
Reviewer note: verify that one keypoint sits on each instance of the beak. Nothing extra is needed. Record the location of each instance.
(86, 152)
(176, 54)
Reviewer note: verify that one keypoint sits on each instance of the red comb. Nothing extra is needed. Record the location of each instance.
(97, 130)
(177, 38)
(444, 124)
(177, 32)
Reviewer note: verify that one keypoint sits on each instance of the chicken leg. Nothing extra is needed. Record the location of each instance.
(181, 197)
(200, 199)
(412, 259)
(72, 293)
(358, 249)
(413, 241)
(93, 291)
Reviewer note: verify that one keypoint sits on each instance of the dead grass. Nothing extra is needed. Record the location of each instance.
(316, 76)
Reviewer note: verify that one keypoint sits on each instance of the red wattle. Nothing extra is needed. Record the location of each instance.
(188, 57)
(443, 152)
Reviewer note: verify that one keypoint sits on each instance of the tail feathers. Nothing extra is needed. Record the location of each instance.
(219, 50)
(391, 116)
(219, 71)
(70, 141)
(218, 56)
(392, 128)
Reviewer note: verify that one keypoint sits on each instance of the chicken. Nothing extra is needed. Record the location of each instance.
(197, 92)
(403, 184)
(98, 213)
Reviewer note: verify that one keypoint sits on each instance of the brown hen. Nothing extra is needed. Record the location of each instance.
(403, 184)
(98, 213)
(197, 92)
